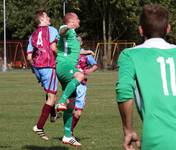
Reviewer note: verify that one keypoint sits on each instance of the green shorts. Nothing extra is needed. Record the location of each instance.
(65, 72)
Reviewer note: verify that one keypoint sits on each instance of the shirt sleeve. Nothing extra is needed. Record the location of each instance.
(30, 47)
(53, 34)
(91, 60)
(125, 84)
(61, 27)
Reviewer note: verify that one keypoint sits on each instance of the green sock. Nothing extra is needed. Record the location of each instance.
(67, 122)
(70, 88)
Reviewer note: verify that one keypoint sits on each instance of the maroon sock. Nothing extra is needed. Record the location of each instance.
(53, 111)
(46, 96)
(44, 116)
(74, 122)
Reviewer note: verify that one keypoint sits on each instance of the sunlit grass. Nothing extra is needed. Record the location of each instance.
(21, 99)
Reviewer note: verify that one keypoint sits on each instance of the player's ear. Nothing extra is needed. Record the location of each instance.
(41, 19)
(168, 28)
(140, 31)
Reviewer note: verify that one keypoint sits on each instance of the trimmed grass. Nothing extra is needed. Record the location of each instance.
(21, 99)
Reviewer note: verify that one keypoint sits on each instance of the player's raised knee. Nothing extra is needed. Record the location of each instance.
(79, 76)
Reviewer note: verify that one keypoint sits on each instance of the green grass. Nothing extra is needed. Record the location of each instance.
(21, 99)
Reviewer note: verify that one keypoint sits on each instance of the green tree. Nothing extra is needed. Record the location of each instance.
(171, 6)
(109, 20)
(20, 23)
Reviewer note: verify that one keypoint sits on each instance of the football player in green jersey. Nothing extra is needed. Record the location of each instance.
(69, 76)
(147, 75)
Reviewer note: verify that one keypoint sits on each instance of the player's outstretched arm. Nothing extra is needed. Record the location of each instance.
(63, 31)
(90, 70)
(130, 136)
(87, 52)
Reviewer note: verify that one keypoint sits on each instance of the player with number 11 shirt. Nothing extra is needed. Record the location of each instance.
(147, 73)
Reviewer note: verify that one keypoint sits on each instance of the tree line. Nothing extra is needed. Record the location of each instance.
(101, 20)
(107, 20)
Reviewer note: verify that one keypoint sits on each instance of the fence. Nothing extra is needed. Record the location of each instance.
(107, 53)
(16, 52)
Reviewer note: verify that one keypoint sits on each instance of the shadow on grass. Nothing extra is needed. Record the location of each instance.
(4, 146)
(33, 147)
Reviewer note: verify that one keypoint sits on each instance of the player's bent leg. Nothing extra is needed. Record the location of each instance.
(70, 88)
(70, 78)
(79, 76)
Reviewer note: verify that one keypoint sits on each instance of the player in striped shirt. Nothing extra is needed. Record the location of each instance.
(41, 53)
(88, 65)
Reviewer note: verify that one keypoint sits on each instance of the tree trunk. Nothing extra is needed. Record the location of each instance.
(110, 46)
(104, 54)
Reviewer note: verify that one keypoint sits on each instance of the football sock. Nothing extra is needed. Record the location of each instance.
(70, 88)
(74, 122)
(44, 116)
(67, 122)
(53, 111)
(46, 97)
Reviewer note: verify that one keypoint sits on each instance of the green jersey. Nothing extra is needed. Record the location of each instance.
(68, 47)
(147, 73)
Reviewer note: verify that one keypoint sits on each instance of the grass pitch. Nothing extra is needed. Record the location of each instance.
(21, 100)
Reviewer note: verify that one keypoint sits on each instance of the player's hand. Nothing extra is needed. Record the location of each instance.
(131, 140)
(29, 58)
(91, 52)
(87, 71)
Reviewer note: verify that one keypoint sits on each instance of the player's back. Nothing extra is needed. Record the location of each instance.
(155, 73)
(42, 56)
